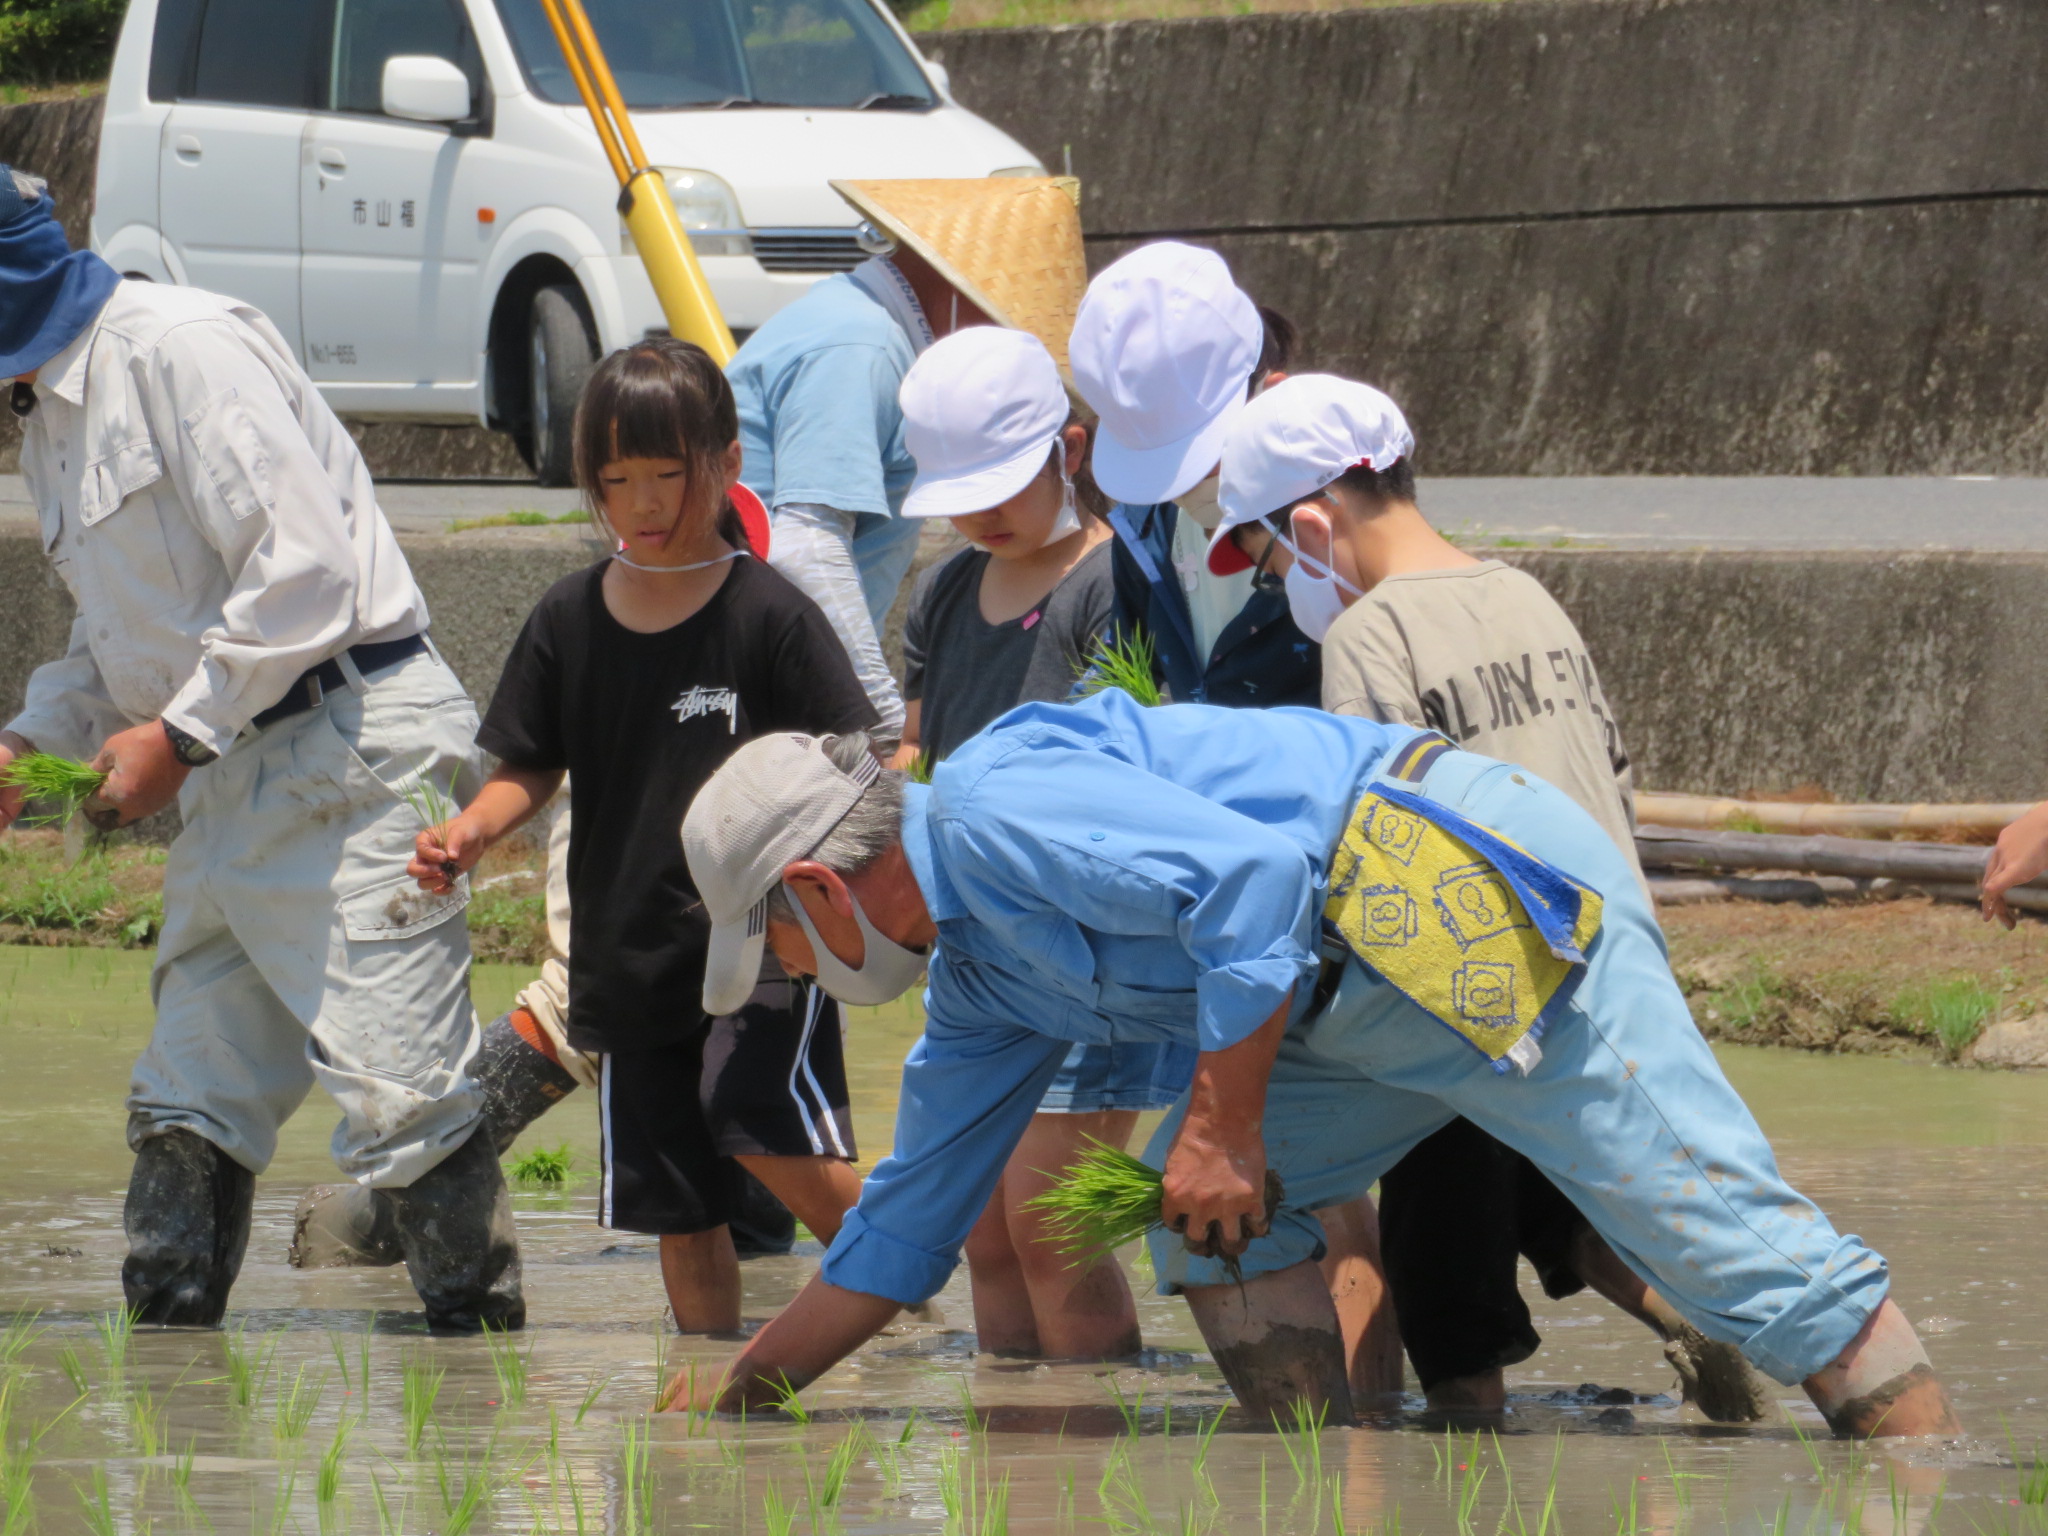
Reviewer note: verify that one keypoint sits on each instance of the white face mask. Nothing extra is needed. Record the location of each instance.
(887, 971)
(1069, 520)
(1313, 597)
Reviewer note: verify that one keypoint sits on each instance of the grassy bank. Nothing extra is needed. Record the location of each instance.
(110, 894)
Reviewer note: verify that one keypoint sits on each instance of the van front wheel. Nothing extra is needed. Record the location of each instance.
(560, 353)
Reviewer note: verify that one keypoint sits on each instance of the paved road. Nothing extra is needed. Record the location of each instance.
(1626, 512)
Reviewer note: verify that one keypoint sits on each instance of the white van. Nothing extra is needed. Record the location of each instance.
(413, 192)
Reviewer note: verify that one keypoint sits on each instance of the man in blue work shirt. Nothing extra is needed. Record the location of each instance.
(1166, 351)
(1100, 871)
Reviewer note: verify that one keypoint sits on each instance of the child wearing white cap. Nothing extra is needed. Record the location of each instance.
(1012, 620)
(1318, 483)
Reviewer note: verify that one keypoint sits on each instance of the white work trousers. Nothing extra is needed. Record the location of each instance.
(297, 950)
(850, 564)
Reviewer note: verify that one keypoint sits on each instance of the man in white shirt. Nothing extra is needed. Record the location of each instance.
(250, 643)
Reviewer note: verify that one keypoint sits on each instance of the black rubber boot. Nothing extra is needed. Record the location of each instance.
(188, 1223)
(519, 1083)
(454, 1224)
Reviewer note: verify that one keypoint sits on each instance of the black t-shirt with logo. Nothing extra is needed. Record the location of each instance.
(640, 722)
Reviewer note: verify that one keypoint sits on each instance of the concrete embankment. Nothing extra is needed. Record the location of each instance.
(1870, 676)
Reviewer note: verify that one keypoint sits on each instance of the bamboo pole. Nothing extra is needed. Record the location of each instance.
(1785, 816)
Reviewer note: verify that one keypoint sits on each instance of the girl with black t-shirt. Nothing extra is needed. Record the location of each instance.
(638, 677)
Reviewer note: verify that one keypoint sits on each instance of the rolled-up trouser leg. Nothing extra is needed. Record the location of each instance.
(454, 1225)
(187, 1219)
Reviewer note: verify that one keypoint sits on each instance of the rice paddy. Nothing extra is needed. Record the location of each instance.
(324, 1408)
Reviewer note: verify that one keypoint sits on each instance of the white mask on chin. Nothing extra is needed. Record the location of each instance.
(886, 972)
(1069, 520)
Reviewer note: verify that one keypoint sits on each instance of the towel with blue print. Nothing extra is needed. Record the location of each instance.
(1470, 927)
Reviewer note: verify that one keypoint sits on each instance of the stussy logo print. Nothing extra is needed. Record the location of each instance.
(709, 701)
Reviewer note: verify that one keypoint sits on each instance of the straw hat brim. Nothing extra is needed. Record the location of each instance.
(1010, 244)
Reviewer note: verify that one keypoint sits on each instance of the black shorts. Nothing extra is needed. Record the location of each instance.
(1454, 1213)
(767, 1081)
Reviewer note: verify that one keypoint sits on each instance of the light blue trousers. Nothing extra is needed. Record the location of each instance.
(1627, 1112)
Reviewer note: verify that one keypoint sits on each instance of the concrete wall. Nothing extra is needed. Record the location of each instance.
(1873, 676)
(1718, 236)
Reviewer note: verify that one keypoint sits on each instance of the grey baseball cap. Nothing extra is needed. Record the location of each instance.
(771, 804)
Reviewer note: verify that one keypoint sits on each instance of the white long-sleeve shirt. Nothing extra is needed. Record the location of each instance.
(212, 518)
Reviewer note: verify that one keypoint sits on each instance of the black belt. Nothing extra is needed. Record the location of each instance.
(315, 685)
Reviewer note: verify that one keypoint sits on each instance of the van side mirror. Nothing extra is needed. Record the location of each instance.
(424, 89)
(940, 76)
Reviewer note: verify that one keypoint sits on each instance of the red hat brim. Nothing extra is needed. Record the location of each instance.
(753, 519)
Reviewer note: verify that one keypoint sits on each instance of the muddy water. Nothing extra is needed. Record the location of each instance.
(1942, 1170)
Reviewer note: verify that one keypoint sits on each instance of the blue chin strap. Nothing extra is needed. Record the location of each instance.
(49, 293)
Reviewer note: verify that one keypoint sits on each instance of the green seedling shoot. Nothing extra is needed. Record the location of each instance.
(510, 1362)
(1126, 662)
(116, 1331)
(433, 808)
(329, 1485)
(419, 1390)
(248, 1366)
(1105, 1199)
(542, 1168)
(297, 1403)
(60, 782)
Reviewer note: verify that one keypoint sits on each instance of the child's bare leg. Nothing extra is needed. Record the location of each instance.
(1883, 1383)
(818, 1190)
(1365, 1308)
(702, 1275)
(1004, 1322)
(1277, 1342)
(1083, 1310)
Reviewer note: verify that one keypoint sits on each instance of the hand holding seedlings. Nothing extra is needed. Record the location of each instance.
(59, 782)
(142, 775)
(435, 847)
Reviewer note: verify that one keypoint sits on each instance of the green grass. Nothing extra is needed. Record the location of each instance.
(1126, 662)
(521, 517)
(1953, 1010)
(61, 785)
(1106, 1199)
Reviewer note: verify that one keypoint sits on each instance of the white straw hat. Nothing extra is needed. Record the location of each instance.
(982, 409)
(1293, 440)
(770, 804)
(1163, 351)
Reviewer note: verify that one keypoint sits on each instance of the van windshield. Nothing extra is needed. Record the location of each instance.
(731, 53)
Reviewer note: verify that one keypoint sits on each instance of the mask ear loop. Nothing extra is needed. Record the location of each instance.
(1317, 569)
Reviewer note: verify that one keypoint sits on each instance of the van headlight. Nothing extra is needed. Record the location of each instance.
(708, 210)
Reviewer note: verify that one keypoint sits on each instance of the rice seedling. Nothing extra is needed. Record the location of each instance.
(97, 1508)
(296, 1404)
(780, 1518)
(329, 1485)
(181, 1472)
(145, 1419)
(636, 1480)
(433, 808)
(74, 1370)
(974, 1421)
(1199, 1468)
(1303, 1442)
(1129, 1407)
(356, 1377)
(542, 1168)
(117, 1332)
(889, 1456)
(248, 1366)
(62, 783)
(20, 1332)
(590, 1396)
(1105, 1199)
(388, 1523)
(786, 1402)
(839, 1468)
(921, 768)
(1126, 662)
(462, 1490)
(419, 1389)
(510, 1363)
(1121, 1492)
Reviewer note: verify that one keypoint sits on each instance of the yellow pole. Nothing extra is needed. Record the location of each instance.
(658, 234)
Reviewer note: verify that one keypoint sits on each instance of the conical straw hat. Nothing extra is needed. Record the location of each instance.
(1011, 244)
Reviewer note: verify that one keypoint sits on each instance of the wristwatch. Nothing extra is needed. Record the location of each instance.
(187, 748)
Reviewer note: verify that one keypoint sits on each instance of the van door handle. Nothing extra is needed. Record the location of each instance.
(332, 161)
(187, 148)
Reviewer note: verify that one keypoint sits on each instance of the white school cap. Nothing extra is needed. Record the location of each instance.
(1164, 349)
(981, 411)
(1296, 438)
(771, 804)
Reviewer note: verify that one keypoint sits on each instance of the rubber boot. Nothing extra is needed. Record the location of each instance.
(187, 1219)
(454, 1224)
(337, 1226)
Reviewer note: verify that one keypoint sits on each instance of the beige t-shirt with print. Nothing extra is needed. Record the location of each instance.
(1485, 655)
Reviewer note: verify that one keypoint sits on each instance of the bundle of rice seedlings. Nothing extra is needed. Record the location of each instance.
(1104, 1199)
(1125, 662)
(1107, 1198)
(61, 783)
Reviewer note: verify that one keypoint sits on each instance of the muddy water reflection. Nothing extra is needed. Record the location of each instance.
(1942, 1170)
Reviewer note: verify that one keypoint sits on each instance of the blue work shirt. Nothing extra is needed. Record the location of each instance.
(1098, 871)
(819, 419)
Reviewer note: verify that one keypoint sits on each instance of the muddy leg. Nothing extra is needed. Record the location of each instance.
(1365, 1308)
(1004, 1323)
(1883, 1383)
(1084, 1309)
(1277, 1341)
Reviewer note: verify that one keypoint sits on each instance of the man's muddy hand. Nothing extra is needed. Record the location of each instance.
(442, 854)
(1215, 1191)
(143, 776)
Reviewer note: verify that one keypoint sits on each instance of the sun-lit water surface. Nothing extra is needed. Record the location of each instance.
(1942, 1170)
